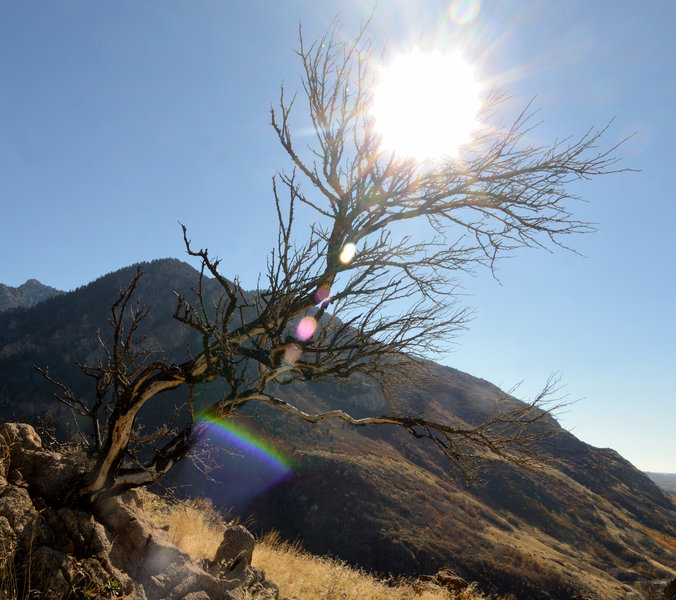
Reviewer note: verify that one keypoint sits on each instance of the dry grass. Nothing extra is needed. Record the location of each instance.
(8, 582)
(309, 577)
(196, 528)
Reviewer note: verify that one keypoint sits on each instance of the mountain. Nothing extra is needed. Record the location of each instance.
(586, 522)
(63, 329)
(379, 499)
(26, 295)
(667, 481)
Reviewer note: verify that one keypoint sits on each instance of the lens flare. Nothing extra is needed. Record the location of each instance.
(251, 443)
(322, 294)
(464, 11)
(347, 253)
(292, 353)
(306, 328)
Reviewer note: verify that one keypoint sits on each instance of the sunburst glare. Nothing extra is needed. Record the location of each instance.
(426, 103)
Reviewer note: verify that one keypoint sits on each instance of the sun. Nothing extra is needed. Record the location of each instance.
(425, 104)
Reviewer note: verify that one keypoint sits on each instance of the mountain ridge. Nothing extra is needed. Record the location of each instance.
(26, 295)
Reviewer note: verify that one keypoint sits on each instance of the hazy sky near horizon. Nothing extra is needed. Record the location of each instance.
(117, 120)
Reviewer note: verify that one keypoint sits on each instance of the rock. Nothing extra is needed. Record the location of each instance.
(444, 578)
(110, 549)
(143, 551)
(237, 543)
(260, 592)
(8, 542)
(16, 507)
(451, 581)
(88, 536)
(51, 572)
(49, 474)
(21, 437)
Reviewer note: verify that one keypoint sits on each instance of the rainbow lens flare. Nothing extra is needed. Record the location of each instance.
(234, 433)
(464, 11)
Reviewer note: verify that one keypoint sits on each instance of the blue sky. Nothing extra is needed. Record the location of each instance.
(117, 120)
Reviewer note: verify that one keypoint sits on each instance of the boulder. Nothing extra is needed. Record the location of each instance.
(48, 474)
(143, 551)
(21, 437)
(445, 578)
(237, 543)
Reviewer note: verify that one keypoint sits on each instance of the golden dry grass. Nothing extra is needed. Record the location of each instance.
(309, 577)
(196, 528)
(194, 525)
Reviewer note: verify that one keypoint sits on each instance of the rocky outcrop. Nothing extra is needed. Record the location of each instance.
(110, 549)
(444, 578)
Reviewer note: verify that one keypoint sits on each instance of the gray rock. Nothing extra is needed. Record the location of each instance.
(237, 543)
(16, 507)
(19, 438)
(51, 572)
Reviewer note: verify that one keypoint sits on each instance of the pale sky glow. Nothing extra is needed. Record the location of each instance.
(117, 120)
(425, 104)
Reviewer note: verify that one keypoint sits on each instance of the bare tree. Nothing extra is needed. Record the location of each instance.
(360, 291)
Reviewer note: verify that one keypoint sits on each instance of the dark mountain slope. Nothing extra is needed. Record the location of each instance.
(63, 329)
(375, 496)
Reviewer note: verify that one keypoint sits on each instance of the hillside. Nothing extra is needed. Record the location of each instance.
(381, 500)
(588, 521)
(667, 481)
(196, 528)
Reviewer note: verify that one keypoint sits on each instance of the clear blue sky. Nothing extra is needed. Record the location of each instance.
(119, 119)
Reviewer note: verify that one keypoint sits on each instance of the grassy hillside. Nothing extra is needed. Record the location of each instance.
(196, 528)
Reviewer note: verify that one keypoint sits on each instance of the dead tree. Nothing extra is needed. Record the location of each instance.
(370, 287)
